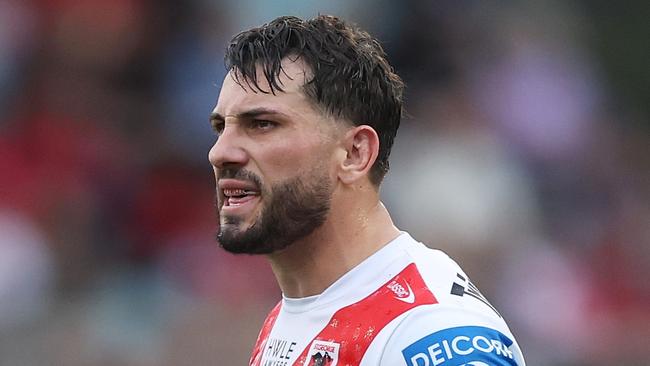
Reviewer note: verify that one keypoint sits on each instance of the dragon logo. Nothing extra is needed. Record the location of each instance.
(322, 353)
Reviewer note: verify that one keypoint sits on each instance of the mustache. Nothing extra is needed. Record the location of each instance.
(240, 174)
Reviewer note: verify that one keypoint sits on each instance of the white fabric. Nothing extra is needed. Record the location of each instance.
(299, 321)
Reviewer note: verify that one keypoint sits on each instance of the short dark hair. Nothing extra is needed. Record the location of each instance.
(351, 75)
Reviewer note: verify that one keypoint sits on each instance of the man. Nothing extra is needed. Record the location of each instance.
(305, 121)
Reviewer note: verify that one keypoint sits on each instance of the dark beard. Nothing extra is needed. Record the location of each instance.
(295, 210)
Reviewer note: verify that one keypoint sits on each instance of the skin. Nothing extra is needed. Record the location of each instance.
(299, 139)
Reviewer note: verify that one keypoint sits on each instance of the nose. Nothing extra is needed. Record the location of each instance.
(228, 150)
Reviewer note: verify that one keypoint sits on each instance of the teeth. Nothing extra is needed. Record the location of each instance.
(237, 192)
(234, 192)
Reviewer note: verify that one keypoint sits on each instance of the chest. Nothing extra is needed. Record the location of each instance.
(340, 336)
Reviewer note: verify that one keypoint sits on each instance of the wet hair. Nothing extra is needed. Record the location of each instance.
(350, 75)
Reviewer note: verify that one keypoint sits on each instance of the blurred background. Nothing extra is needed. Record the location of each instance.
(525, 154)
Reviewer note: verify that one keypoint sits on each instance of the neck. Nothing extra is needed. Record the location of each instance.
(311, 265)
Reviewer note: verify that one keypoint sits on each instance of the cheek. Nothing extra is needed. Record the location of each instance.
(285, 160)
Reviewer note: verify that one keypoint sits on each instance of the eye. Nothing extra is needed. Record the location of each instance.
(217, 126)
(262, 124)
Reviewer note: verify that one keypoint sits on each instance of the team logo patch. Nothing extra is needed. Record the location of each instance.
(470, 346)
(323, 353)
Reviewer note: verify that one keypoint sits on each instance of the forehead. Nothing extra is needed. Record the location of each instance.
(236, 98)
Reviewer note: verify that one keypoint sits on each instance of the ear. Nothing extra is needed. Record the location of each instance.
(361, 145)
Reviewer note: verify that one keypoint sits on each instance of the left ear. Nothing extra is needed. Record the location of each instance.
(361, 144)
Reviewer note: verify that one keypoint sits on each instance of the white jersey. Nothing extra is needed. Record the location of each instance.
(404, 305)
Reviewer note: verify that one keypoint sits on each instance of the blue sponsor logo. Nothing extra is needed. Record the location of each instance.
(470, 346)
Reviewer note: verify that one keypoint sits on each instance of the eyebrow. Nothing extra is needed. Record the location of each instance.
(252, 113)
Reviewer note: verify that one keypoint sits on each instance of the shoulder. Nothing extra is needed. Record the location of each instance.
(447, 281)
(461, 327)
(446, 335)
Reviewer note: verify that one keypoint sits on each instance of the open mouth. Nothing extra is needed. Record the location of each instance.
(238, 197)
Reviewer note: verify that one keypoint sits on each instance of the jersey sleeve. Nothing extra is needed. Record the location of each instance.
(448, 336)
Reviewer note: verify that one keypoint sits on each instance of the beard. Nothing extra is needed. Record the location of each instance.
(291, 210)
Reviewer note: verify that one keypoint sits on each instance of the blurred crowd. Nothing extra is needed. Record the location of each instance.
(524, 153)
